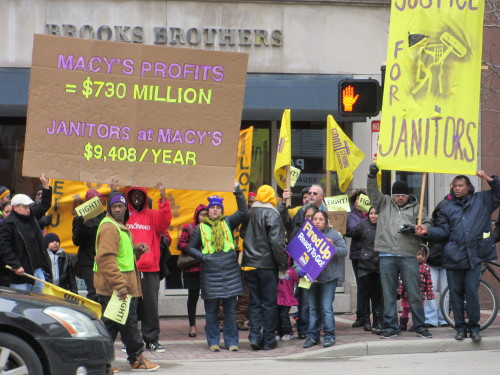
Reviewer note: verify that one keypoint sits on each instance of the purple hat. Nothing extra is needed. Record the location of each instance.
(215, 200)
(118, 198)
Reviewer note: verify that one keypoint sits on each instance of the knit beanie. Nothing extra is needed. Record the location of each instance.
(4, 191)
(400, 188)
(48, 238)
(118, 198)
(266, 194)
(215, 200)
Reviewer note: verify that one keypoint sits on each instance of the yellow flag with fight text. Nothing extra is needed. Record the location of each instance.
(342, 155)
(430, 113)
(284, 154)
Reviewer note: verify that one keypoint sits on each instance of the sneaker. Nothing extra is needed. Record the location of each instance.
(155, 347)
(214, 348)
(388, 334)
(141, 363)
(124, 348)
(301, 336)
(475, 336)
(243, 326)
(286, 337)
(310, 343)
(233, 348)
(329, 342)
(115, 370)
(425, 334)
(278, 337)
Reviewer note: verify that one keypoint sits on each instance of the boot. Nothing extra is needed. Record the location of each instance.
(359, 320)
(366, 322)
(377, 323)
(403, 324)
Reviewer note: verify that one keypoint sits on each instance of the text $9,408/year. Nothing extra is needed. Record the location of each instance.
(114, 153)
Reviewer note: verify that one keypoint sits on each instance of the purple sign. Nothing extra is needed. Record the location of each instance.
(311, 250)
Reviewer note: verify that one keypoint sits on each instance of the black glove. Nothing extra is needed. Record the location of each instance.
(79, 220)
(373, 170)
(45, 220)
(406, 229)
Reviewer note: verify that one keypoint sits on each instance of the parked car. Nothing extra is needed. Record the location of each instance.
(46, 335)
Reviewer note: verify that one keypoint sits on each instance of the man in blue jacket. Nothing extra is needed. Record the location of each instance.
(464, 223)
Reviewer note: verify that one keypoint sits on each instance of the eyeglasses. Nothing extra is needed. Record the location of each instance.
(313, 193)
(39, 194)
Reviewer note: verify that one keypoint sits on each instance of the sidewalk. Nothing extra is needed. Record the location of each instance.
(349, 342)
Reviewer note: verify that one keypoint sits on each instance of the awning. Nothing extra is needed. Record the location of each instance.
(311, 97)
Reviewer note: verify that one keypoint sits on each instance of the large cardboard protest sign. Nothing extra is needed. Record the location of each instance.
(311, 250)
(141, 113)
(430, 114)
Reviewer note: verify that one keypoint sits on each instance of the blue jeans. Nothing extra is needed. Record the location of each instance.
(433, 314)
(406, 266)
(321, 296)
(35, 288)
(464, 285)
(263, 309)
(212, 331)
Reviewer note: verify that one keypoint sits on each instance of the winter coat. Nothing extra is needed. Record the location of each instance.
(285, 290)
(354, 218)
(335, 267)
(435, 258)
(21, 245)
(364, 233)
(497, 229)
(84, 236)
(187, 229)
(67, 278)
(108, 276)
(220, 275)
(147, 225)
(390, 219)
(465, 224)
(264, 239)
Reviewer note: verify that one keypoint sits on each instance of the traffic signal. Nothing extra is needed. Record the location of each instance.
(359, 97)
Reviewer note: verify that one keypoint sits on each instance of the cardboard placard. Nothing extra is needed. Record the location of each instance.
(140, 113)
(90, 209)
(338, 203)
(338, 220)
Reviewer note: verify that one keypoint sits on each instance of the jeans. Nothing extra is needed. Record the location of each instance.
(433, 314)
(230, 331)
(302, 310)
(263, 310)
(37, 287)
(321, 296)
(464, 285)
(406, 266)
(129, 332)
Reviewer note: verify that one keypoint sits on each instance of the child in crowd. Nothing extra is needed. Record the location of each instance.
(286, 299)
(426, 289)
(63, 274)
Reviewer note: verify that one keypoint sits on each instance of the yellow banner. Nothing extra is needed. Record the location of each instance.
(68, 195)
(432, 85)
(342, 155)
(54, 290)
(284, 154)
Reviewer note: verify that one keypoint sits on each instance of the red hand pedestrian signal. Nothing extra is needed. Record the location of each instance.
(359, 97)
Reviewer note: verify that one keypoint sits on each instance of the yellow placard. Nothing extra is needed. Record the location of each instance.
(117, 309)
(338, 203)
(430, 113)
(280, 175)
(90, 209)
(364, 203)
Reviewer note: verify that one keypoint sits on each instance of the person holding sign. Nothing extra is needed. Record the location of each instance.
(212, 243)
(322, 291)
(398, 251)
(115, 269)
(264, 255)
(464, 223)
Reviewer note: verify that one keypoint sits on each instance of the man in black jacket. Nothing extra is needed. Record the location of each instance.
(21, 245)
(464, 223)
(264, 254)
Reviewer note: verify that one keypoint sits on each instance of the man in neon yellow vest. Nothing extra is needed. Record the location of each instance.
(115, 269)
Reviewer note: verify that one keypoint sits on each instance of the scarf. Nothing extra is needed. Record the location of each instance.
(217, 225)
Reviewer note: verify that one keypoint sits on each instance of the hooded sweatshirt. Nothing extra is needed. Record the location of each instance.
(147, 226)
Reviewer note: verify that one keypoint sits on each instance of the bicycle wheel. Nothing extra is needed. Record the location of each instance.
(488, 304)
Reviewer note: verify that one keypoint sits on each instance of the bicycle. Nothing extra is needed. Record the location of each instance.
(488, 300)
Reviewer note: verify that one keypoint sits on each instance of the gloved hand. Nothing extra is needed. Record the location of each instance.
(301, 274)
(373, 170)
(79, 220)
(45, 220)
(406, 229)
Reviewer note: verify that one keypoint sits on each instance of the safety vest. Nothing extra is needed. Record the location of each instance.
(206, 238)
(125, 258)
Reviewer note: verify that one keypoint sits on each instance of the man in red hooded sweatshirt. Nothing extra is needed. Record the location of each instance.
(147, 225)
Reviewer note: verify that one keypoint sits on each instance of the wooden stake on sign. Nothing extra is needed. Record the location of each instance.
(422, 195)
(288, 185)
(328, 183)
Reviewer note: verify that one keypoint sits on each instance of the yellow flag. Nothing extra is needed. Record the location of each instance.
(54, 290)
(284, 154)
(430, 114)
(342, 155)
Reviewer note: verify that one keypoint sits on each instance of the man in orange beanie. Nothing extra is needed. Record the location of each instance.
(263, 257)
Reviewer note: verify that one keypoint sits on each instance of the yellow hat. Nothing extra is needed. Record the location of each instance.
(266, 194)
